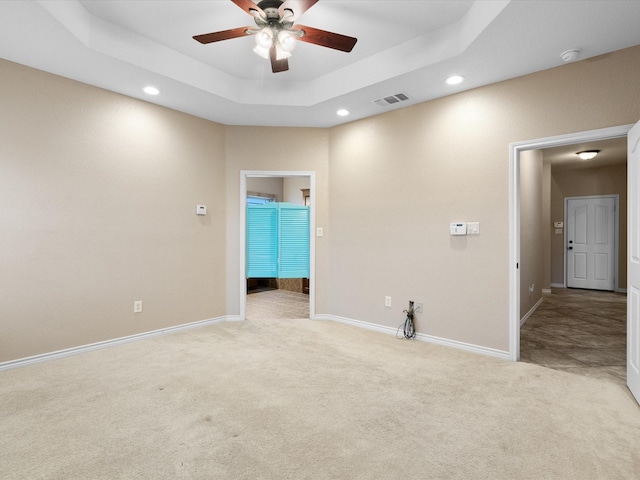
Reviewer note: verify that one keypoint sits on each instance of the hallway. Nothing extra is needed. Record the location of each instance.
(578, 331)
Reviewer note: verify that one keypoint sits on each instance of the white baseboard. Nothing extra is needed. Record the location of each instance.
(419, 336)
(546, 291)
(529, 313)
(21, 362)
(561, 285)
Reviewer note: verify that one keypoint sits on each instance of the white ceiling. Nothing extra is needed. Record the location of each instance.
(612, 152)
(407, 46)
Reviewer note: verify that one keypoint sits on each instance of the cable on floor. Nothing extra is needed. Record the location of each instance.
(408, 327)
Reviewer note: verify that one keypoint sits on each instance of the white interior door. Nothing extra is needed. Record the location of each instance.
(591, 242)
(633, 262)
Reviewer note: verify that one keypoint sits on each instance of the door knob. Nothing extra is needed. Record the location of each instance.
(569, 248)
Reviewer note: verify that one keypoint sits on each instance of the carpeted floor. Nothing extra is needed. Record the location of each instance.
(302, 399)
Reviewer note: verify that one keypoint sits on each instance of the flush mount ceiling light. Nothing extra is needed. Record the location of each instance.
(588, 154)
(276, 36)
(455, 79)
(149, 90)
(343, 112)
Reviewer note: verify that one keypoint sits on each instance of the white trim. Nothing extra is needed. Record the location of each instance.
(419, 336)
(244, 174)
(546, 291)
(530, 312)
(21, 362)
(559, 285)
(514, 213)
(357, 323)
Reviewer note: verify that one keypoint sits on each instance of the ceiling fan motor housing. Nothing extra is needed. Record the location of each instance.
(270, 8)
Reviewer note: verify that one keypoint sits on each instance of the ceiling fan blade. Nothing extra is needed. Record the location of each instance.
(281, 65)
(250, 7)
(296, 7)
(223, 35)
(326, 39)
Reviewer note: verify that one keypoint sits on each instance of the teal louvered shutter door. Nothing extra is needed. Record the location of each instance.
(294, 241)
(262, 241)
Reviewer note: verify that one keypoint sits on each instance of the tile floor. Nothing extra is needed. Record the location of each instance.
(271, 303)
(578, 331)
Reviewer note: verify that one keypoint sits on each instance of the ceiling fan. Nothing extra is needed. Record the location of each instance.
(276, 33)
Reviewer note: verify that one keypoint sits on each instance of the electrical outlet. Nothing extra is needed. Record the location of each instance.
(387, 301)
(418, 308)
(137, 306)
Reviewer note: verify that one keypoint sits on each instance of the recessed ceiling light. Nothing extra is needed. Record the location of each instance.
(342, 112)
(455, 79)
(151, 90)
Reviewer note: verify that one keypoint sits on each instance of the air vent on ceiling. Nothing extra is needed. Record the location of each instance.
(392, 99)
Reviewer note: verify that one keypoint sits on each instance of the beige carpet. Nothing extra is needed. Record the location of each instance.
(302, 399)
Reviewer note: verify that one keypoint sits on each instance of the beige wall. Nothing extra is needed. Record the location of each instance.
(98, 192)
(98, 195)
(531, 229)
(293, 189)
(397, 180)
(268, 185)
(277, 150)
(583, 182)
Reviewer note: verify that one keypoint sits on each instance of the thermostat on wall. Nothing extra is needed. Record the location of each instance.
(201, 210)
(458, 228)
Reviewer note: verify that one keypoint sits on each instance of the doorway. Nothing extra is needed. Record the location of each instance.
(308, 195)
(515, 150)
(579, 325)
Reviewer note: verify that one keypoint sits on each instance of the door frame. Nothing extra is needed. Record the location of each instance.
(244, 174)
(514, 212)
(616, 235)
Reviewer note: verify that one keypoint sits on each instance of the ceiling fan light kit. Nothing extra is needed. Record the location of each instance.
(276, 35)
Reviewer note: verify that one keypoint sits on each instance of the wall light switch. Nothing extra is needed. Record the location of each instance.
(201, 210)
(473, 228)
(319, 232)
